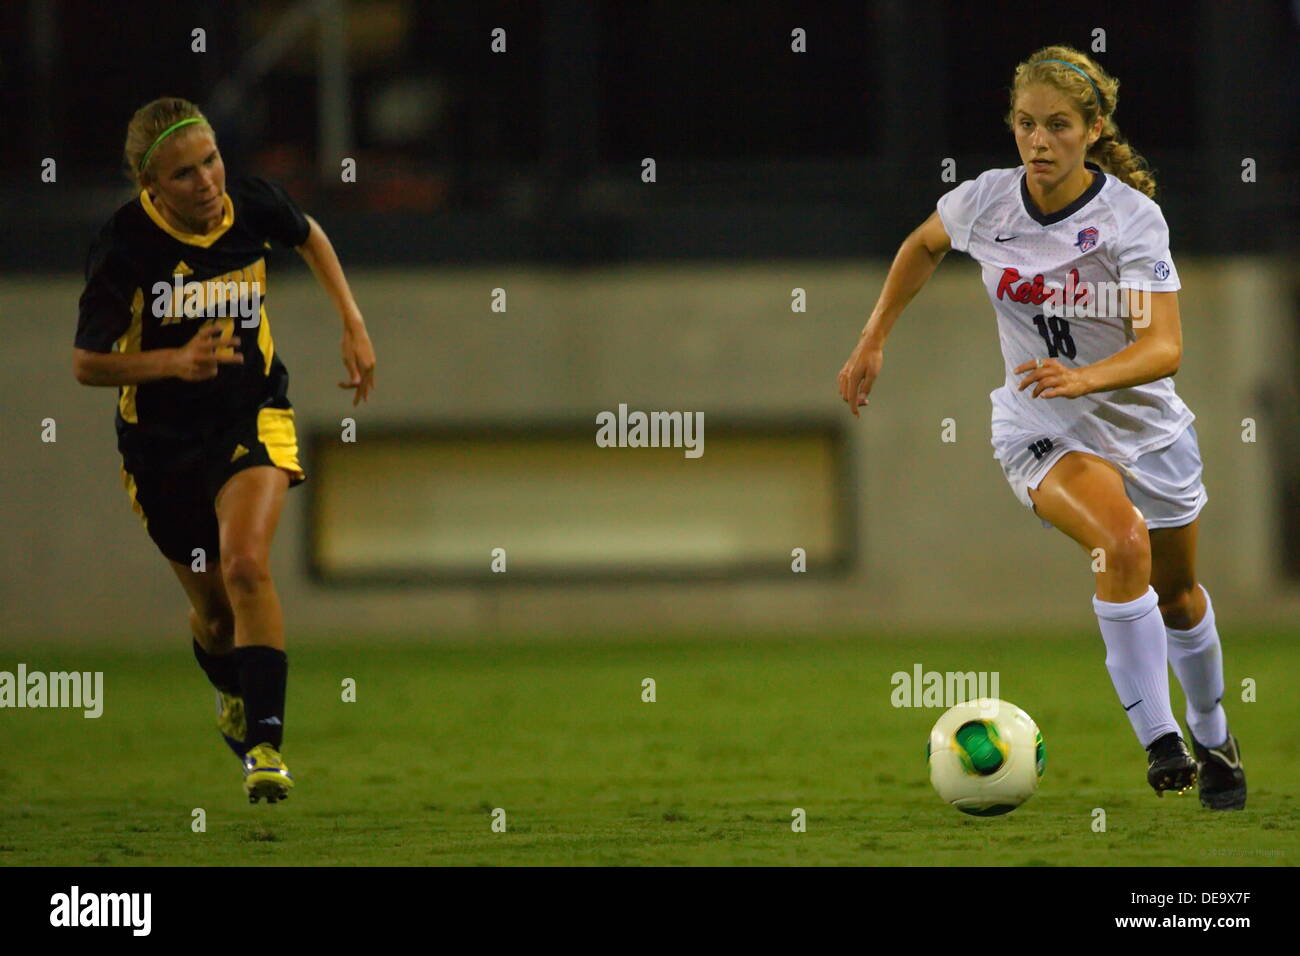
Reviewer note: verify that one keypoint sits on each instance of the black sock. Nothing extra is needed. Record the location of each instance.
(263, 673)
(221, 669)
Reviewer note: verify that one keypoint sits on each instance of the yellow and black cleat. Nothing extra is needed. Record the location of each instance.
(265, 775)
(230, 721)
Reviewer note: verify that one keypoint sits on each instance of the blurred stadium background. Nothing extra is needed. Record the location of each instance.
(522, 171)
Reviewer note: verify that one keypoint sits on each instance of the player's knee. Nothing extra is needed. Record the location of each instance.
(1127, 546)
(245, 572)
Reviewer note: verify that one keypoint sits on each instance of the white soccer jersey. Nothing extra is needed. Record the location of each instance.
(1113, 234)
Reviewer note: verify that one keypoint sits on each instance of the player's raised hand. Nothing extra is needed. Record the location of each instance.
(358, 359)
(1051, 379)
(202, 356)
(859, 374)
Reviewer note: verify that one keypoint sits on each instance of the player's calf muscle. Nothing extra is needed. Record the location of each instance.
(216, 635)
(1182, 609)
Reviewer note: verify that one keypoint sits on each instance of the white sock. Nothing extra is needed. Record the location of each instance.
(1197, 658)
(1137, 658)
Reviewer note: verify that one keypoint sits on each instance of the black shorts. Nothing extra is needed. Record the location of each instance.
(175, 493)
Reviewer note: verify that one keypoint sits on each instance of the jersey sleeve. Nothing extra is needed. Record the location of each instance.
(104, 313)
(273, 214)
(960, 207)
(1142, 255)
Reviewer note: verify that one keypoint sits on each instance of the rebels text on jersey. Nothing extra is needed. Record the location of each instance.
(1057, 283)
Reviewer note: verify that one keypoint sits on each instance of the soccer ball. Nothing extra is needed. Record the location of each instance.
(985, 757)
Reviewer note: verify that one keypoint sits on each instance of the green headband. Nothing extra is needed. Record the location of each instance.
(163, 135)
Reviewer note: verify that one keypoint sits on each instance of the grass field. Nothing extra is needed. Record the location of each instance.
(557, 735)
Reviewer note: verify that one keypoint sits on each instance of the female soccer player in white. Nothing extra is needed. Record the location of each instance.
(203, 418)
(1087, 426)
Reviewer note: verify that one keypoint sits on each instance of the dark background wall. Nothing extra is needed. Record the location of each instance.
(534, 154)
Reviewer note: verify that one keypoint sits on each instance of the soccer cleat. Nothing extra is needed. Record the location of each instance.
(265, 775)
(230, 721)
(1169, 765)
(1223, 781)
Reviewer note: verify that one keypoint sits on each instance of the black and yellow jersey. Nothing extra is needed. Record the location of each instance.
(150, 286)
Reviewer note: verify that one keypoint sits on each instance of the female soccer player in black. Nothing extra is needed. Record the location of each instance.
(172, 316)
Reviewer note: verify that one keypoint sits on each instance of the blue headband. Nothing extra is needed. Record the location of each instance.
(1100, 103)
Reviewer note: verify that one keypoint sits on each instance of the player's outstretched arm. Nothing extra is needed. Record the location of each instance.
(358, 353)
(917, 258)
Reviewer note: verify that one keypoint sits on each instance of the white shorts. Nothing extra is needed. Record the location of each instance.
(1164, 484)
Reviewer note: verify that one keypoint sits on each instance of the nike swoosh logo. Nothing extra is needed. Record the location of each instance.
(1002, 239)
(1134, 704)
(1231, 764)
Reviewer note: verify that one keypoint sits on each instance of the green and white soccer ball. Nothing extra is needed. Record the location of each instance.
(986, 757)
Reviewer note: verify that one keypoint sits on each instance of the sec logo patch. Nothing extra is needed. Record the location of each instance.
(1162, 269)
